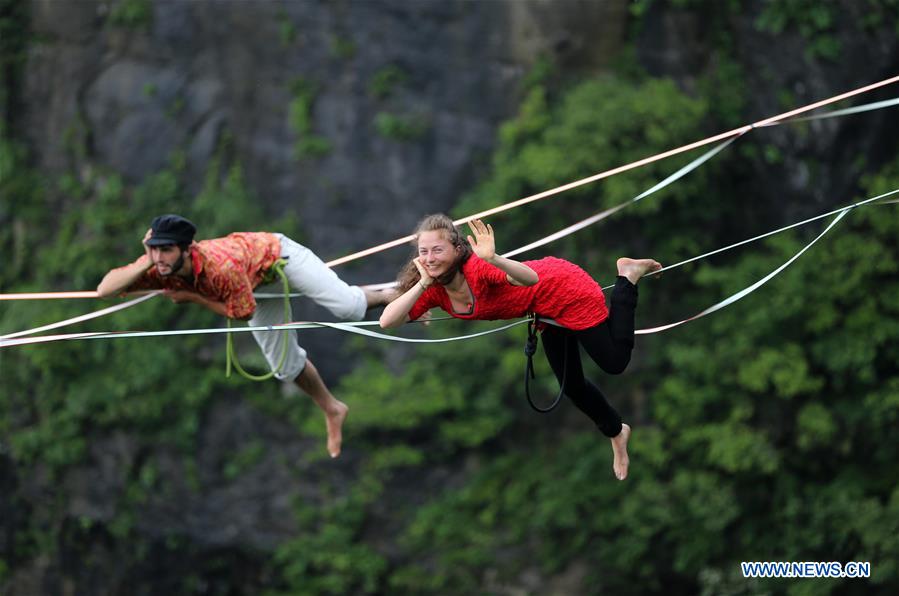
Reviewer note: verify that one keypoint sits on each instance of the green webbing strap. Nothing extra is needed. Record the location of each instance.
(231, 355)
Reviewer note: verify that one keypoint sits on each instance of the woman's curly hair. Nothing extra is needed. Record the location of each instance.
(409, 274)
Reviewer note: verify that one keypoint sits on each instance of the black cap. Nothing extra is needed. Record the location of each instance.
(171, 229)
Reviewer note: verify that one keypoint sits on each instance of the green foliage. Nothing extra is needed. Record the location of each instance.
(312, 146)
(549, 506)
(243, 459)
(74, 138)
(329, 560)
(880, 13)
(767, 432)
(816, 22)
(541, 73)
(599, 124)
(725, 89)
(303, 92)
(639, 8)
(462, 414)
(385, 81)
(401, 128)
(299, 116)
(329, 554)
(771, 436)
(132, 14)
(175, 108)
(287, 30)
(716, 15)
(342, 48)
(22, 191)
(789, 369)
(816, 427)
(813, 20)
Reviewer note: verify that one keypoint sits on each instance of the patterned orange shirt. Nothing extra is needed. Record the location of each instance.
(224, 269)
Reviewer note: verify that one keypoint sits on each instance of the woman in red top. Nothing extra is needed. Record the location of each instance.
(470, 281)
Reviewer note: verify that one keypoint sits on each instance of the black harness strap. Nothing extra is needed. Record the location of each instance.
(530, 348)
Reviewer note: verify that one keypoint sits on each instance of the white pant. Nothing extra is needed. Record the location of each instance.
(308, 275)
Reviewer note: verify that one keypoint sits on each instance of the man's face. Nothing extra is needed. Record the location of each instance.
(168, 259)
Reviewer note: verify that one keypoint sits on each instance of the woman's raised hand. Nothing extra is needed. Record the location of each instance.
(483, 243)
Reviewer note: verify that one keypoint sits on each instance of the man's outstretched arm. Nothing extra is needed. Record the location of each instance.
(117, 280)
(120, 278)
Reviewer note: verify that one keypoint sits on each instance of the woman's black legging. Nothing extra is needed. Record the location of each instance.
(608, 344)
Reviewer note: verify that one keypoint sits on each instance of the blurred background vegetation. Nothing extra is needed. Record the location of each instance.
(764, 432)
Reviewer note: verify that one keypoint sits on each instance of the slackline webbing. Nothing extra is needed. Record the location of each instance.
(554, 191)
(787, 117)
(866, 203)
(6, 339)
(560, 234)
(746, 291)
(79, 319)
(352, 327)
(356, 327)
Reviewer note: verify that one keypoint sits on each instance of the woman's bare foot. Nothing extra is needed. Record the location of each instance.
(634, 269)
(334, 421)
(619, 448)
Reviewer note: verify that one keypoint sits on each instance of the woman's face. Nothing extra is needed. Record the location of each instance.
(436, 253)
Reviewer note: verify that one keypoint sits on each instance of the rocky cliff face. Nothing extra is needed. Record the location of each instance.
(356, 118)
(395, 104)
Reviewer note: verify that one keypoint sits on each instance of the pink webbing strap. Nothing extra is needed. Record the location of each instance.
(624, 168)
(547, 193)
(81, 318)
(47, 295)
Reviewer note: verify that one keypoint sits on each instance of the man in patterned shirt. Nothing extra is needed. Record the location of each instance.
(221, 274)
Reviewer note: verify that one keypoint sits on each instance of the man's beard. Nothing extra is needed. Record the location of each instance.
(175, 268)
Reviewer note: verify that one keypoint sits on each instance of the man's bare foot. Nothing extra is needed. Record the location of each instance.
(619, 447)
(634, 269)
(334, 421)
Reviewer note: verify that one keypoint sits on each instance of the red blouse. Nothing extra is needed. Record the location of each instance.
(565, 293)
(225, 269)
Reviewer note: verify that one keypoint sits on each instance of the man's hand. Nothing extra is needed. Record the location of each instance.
(148, 264)
(181, 296)
(219, 308)
(483, 243)
(147, 236)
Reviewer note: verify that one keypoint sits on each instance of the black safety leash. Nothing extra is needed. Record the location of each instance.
(530, 348)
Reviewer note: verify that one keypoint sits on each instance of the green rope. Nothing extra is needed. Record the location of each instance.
(231, 355)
